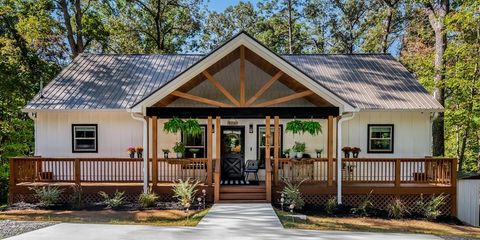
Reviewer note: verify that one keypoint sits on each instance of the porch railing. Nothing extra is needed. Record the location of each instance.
(119, 170)
(395, 171)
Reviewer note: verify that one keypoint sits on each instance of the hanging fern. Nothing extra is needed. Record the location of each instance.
(192, 127)
(295, 126)
(173, 125)
(298, 126)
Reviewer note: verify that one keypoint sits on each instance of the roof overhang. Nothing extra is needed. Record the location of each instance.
(259, 49)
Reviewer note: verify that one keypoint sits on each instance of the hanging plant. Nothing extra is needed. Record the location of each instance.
(298, 126)
(312, 127)
(192, 127)
(173, 125)
(295, 126)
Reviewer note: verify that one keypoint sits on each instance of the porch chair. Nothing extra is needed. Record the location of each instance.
(251, 166)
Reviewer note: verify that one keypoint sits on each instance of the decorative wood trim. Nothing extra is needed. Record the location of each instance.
(209, 150)
(330, 150)
(154, 150)
(276, 140)
(218, 160)
(268, 165)
(264, 88)
(243, 112)
(200, 99)
(285, 99)
(242, 75)
(221, 88)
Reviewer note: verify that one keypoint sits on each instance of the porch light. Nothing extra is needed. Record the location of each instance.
(250, 128)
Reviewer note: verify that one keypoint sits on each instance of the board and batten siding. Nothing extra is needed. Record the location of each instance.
(117, 131)
(468, 201)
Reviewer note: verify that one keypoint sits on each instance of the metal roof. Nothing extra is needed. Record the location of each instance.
(93, 81)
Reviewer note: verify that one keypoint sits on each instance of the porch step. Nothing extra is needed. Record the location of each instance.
(242, 189)
(243, 201)
(243, 196)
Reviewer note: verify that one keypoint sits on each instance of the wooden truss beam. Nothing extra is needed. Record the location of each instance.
(285, 99)
(264, 88)
(200, 99)
(221, 88)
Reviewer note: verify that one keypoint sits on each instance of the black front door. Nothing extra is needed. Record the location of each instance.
(233, 152)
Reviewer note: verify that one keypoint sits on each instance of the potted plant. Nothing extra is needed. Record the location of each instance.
(194, 151)
(346, 150)
(286, 152)
(179, 149)
(299, 148)
(165, 153)
(173, 125)
(319, 152)
(297, 126)
(356, 151)
(131, 151)
(139, 151)
(190, 127)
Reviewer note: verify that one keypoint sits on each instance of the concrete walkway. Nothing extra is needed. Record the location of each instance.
(223, 222)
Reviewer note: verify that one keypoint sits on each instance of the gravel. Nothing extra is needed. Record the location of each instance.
(457, 238)
(9, 228)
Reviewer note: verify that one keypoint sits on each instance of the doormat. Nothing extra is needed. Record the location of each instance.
(238, 182)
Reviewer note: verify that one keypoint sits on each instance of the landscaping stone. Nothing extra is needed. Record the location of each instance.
(298, 216)
(9, 228)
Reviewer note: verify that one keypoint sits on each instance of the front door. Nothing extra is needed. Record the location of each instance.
(233, 152)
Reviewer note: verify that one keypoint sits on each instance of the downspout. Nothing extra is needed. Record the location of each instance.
(343, 118)
(145, 145)
(33, 116)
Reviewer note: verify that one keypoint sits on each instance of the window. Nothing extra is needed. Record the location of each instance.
(380, 138)
(85, 138)
(261, 143)
(196, 142)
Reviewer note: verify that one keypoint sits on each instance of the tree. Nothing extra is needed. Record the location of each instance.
(315, 16)
(437, 12)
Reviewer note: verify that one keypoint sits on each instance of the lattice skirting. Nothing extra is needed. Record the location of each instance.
(379, 201)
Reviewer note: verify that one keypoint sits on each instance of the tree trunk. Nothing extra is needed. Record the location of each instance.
(436, 15)
(290, 48)
(75, 38)
(387, 29)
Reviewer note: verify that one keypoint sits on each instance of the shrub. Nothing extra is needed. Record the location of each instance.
(115, 201)
(397, 209)
(184, 191)
(292, 194)
(3, 183)
(47, 196)
(431, 209)
(331, 205)
(77, 197)
(364, 207)
(147, 199)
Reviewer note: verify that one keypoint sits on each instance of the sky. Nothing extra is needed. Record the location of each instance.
(220, 5)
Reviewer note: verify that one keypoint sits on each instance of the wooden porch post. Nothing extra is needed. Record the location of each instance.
(268, 166)
(217, 159)
(209, 151)
(154, 150)
(330, 150)
(78, 174)
(453, 184)
(276, 139)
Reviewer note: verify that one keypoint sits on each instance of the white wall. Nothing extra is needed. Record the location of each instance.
(468, 201)
(116, 132)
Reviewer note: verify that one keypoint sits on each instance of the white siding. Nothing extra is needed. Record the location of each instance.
(468, 197)
(116, 132)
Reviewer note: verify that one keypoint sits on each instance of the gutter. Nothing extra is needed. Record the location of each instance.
(33, 116)
(344, 118)
(145, 146)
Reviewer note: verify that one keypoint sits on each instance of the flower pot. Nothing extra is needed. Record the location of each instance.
(165, 155)
(355, 154)
(299, 154)
(347, 154)
(132, 155)
(194, 155)
(139, 155)
(179, 155)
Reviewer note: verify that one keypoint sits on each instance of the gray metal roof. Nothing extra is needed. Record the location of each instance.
(94, 81)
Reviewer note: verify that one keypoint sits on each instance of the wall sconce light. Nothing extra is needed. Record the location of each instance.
(250, 128)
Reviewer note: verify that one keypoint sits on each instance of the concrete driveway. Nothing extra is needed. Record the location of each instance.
(224, 221)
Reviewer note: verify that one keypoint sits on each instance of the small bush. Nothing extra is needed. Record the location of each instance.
(114, 202)
(76, 200)
(363, 209)
(47, 196)
(331, 205)
(184, 191)
(147, 199)
(431, 209)
(397, 209)
(292, 194)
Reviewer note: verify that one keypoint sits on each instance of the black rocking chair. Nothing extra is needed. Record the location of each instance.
(251, 166)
